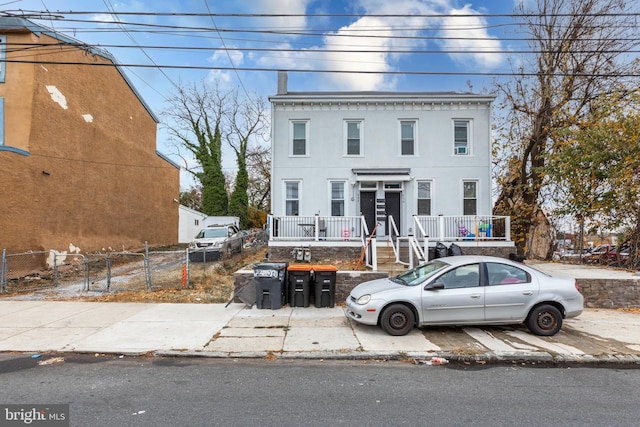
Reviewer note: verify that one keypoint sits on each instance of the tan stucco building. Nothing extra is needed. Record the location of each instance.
(78, 160)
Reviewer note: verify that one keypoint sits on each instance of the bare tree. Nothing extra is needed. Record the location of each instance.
(246, 122)
(581, 51)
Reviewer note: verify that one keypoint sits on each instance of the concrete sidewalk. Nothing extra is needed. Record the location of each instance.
(213, 330)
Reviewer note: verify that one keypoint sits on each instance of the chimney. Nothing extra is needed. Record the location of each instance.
(282, 82)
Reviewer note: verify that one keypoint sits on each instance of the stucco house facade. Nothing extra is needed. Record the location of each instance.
(404, 163)
(78, 149)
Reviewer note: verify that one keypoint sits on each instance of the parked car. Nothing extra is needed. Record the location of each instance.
(467, 290)
(225, 238)
(608, 255)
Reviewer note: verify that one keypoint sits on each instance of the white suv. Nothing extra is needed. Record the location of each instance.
(224, 238)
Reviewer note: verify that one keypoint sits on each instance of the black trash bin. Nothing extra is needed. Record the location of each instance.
(271, 285)
(325, 285)
(299, 283)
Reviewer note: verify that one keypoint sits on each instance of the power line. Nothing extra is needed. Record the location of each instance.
(387, 72)
(24, 47)
(333, 15)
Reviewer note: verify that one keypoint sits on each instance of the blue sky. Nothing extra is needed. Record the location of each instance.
(371, 40)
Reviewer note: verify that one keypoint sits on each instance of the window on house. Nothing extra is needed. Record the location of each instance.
(354, 138)
(424, 197)
(461, 137)
(470, 198)
(292, 197)
(299, 145)
(407, 138)
(337, 198)
(3, 57)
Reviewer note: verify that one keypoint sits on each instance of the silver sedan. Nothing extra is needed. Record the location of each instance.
(467, 290)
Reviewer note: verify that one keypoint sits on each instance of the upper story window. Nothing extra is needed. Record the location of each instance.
(424, 197)
(3, 57)
(337, 198)
(408, 137)
(470, 198)
(461, 137)
(354, 137)
(292, 197)
(300, 136)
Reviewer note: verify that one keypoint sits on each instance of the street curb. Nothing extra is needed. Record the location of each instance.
(542, 358)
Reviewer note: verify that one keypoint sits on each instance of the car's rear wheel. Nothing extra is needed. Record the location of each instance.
(397, 319)
(545, 320)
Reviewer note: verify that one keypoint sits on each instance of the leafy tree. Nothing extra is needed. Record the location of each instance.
(597, 170)
(197, 112)
(580, 48)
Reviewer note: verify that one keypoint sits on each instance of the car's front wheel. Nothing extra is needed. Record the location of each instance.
(545, 320)
(397, 319)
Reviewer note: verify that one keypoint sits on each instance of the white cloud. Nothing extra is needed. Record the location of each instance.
(469, 36)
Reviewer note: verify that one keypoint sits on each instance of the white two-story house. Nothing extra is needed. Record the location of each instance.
(402, 163)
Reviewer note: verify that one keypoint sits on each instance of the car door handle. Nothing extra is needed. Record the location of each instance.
(528, 293)
(475, 295)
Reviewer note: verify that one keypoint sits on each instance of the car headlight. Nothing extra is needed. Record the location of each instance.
(363, 299)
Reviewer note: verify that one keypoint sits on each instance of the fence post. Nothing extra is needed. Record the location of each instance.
(55, 269)
(3, 269)
(108, 265)
(188, 270)
(147, 266)
(85, 262)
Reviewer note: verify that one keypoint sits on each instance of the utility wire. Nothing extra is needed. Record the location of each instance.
(387, 72)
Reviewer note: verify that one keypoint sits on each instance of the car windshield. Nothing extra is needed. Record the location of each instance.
(420, 274)
(212, 232)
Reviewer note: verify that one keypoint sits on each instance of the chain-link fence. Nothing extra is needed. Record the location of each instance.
(109, 272)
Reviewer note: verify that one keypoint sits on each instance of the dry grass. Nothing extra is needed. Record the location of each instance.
(215, 285)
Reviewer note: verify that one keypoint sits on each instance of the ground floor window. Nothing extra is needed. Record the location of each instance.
(470, 198)
(292, 197)
(424, 197)
(337, 198)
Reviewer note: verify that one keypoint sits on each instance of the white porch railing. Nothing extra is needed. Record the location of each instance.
(414, 249)
(318, 228)
(464, 227)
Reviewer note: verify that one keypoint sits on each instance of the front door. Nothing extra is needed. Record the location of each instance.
(368, 208)
(392, 207)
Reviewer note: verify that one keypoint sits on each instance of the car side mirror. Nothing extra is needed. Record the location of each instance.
(434, 286)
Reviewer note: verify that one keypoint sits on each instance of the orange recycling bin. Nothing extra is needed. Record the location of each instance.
(325, 285)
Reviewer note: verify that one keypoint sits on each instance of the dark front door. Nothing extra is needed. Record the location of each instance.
(368, 208)
(392, 207)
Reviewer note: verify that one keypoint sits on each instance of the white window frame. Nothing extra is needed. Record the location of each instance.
(285, 198)
(3, 57)
(344, 196)
(464, 197)
(462, 148)
(415, 136)
(360, 137)
(306, 137)
(430, 182)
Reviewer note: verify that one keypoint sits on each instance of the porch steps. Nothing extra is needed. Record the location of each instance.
(387, 259)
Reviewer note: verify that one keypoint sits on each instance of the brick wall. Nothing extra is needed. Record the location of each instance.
(610, 293)
(598, 293)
